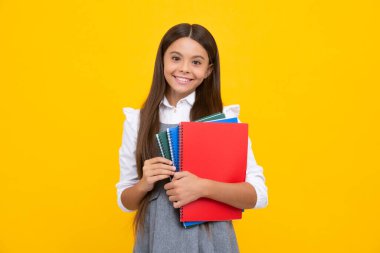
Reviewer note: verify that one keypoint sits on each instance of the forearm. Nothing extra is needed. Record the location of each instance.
(239, 195)
(132, 196)
(155, 169)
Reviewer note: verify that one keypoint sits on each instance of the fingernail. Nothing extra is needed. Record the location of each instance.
(173, 168)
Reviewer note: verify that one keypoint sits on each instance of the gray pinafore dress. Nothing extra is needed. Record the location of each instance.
(164, 233)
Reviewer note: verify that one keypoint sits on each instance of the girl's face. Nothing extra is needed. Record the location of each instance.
(186, 64)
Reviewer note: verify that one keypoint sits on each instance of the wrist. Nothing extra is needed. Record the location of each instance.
(205, 186)
(142, 188)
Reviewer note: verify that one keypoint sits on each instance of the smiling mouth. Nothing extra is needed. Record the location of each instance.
(182, 80)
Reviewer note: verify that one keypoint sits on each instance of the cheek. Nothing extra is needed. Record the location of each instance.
(201, 73)
(167, 75)
(168, 68)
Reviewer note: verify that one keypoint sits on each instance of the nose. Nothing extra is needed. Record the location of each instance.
(184, 67)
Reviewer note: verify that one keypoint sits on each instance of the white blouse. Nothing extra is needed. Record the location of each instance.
(174, 115)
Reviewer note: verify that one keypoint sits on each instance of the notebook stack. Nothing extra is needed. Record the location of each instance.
(215, 148)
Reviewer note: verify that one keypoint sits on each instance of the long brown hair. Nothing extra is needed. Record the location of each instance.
(207, 100)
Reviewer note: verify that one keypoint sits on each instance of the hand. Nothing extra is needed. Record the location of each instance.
(184, 188)
(154, 170)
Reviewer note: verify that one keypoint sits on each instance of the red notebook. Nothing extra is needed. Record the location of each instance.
(216, 151)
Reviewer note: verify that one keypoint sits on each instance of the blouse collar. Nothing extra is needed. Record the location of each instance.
(190, 99)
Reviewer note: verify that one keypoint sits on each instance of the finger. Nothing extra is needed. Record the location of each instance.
(181, 174)
(173, 198)
(159, 166)
(153, 171)
(158, 172)
(169, 186)
(158, 159)
(171, 192)
(178, 204)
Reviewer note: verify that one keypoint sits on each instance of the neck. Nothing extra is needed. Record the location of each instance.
(174, 98)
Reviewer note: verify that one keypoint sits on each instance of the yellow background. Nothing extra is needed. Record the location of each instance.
(306, 74)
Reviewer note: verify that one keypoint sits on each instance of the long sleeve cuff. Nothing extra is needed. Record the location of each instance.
(262, 194)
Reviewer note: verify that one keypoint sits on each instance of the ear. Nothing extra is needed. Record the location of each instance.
(209, 70)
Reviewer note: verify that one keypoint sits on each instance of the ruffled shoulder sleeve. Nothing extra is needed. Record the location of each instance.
(132, 115)
(231, 111)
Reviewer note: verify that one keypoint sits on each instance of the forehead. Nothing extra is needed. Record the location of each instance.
(187, 47)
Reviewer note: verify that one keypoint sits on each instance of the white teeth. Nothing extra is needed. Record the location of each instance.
(183, 80)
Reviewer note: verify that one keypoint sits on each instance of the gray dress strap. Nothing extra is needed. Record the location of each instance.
(164, 233)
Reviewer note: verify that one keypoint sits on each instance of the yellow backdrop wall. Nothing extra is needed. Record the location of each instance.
(304, 72)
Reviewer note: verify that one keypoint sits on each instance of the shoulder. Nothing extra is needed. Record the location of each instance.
(231, 110)
(132, 117)
(131, 114)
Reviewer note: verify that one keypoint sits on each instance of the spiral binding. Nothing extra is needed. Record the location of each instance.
(180, 158)
(160, 145)
(170, 144)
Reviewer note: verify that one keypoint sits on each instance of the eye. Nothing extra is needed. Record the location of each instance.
(175, 58)
(197, 62)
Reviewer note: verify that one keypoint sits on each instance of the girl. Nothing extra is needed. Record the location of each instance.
(185, 87)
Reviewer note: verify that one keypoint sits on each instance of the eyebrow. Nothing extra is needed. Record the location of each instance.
(195, 56)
